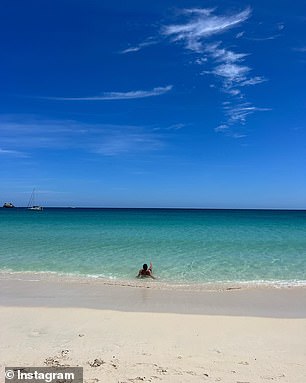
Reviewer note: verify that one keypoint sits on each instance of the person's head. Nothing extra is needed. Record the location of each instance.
(145, 266)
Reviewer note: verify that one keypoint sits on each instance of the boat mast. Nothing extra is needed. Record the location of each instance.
(32, 199)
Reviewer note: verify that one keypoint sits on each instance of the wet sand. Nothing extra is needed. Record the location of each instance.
(148, 296)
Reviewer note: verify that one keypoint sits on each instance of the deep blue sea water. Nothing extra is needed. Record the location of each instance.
(185, 246)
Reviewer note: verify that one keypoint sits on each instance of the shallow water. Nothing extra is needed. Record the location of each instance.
(185, 246)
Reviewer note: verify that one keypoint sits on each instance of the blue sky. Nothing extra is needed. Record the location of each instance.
(153, 104)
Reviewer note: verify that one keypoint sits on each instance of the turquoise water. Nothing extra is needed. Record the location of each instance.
(185, 246)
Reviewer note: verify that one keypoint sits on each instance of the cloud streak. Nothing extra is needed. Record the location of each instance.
(138, 47)
(238, 113)
(229, 68)
(119, 143)
(22, 136)
(130, 95)
(13, 153)
(203, 24)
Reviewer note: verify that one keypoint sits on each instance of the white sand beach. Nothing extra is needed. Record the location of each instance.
(116, 338)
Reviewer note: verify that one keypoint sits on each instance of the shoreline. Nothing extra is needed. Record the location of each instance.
(157, 283)
(31, 290)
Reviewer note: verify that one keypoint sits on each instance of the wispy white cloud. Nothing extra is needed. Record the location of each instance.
(223, 55)
(24, 134)
(231, 72)
(227, 66)
(28, 133)
(230, 68)
(119, 143)
(14, 153)
(222, 128)
(176, 126)
(267, 38)
(240, 34)
(203, 24)
(172, 127)
(253, 81)
(140, 46)
(225, 129)
(130, 95)
(132, 49)
(238, 113)
(238, 135)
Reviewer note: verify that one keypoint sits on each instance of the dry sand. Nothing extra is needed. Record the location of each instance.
(44, 323)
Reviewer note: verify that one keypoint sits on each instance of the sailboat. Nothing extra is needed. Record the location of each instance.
(31, 204)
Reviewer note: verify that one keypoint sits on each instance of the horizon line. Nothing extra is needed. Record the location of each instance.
(162, 208)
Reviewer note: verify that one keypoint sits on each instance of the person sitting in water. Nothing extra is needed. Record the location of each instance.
(146, 272)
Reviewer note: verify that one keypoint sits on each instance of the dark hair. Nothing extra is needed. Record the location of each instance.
(145, 266)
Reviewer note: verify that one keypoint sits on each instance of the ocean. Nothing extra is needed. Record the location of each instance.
(185, 246)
